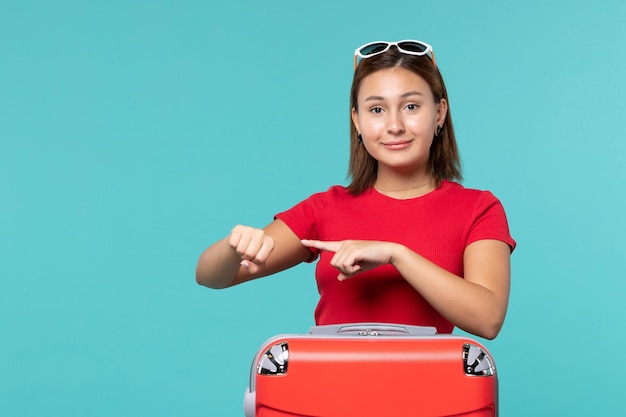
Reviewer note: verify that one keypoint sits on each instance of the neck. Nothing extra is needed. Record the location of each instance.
(408, 189)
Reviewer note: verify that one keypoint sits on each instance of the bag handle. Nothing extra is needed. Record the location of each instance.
(373, 329)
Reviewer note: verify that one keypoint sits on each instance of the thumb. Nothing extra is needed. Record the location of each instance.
(250, 266)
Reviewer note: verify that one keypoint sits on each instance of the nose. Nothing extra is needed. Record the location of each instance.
(395, 123)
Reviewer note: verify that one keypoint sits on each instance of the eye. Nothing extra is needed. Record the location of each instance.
(412, 106)
(376, 110)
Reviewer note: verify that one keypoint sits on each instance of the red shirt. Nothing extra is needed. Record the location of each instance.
(438, 226)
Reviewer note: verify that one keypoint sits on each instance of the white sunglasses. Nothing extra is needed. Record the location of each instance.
(410, 47)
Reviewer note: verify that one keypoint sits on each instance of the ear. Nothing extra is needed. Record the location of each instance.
(442, 111)
(355, 120)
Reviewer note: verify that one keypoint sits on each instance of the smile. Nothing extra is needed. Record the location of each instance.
(397, 145)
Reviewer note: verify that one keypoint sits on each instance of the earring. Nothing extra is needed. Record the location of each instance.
(360, 138)
(439, 131)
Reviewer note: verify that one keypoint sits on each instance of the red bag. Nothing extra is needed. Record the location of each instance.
(372, 370)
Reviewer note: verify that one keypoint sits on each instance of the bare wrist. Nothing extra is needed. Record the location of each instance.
(397, 251)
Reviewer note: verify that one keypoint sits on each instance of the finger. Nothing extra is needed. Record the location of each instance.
(246, 241)
(259, 248)
(347, 268)
(240, 238)
(234, 238)
(263, 253)
(349, 274)
(322, 245)
(240, 242)
(343, 260)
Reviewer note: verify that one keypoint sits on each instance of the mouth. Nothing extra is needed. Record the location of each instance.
(397, 144)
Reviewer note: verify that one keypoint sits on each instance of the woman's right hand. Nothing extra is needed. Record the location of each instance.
(253, 245)
(249, 253)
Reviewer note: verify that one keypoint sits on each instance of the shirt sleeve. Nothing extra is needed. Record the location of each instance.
(489, 221)
(302, 219)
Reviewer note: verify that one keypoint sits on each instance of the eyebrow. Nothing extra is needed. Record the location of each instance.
(405, 95)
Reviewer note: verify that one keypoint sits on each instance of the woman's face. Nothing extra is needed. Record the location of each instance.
(397, 117)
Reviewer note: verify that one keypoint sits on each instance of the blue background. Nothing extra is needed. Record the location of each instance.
(135, 133)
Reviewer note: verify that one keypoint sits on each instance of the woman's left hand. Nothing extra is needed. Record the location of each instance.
(354, 256)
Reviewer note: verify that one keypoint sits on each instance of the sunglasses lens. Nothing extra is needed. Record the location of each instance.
(413, 47)
(373, 49)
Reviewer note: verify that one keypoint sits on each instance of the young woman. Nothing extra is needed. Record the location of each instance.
(403, 243)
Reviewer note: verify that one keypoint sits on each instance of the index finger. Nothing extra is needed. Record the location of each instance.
(322, 245)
